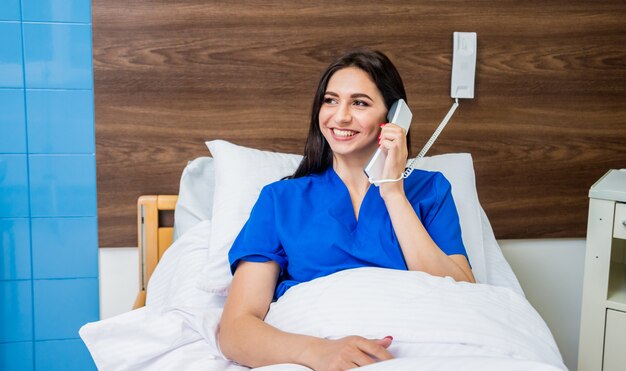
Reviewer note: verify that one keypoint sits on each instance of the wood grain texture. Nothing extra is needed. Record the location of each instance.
(549, 117)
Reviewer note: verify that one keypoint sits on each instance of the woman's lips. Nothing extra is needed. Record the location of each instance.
(343, 134)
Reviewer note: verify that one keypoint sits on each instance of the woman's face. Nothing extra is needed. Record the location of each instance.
(351, 112)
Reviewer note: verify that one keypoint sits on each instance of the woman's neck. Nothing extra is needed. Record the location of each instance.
(351, 173)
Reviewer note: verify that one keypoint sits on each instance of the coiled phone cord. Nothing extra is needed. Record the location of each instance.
(409, 168)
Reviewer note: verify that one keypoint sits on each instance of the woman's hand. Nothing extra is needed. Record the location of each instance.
(349, 352)
(245, 338)
(393, 142)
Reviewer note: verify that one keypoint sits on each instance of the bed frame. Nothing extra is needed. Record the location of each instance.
(153, 237)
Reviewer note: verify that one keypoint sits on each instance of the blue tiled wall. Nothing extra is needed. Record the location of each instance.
(48, 212)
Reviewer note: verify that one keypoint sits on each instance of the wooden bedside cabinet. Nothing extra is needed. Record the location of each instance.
(603, 313)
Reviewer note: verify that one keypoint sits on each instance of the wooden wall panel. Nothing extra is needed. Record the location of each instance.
(549, 116)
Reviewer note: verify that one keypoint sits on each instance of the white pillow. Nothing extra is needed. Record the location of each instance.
(173, 283)
(195, 196)
(458, 168)
(498, 270)
(241, 173)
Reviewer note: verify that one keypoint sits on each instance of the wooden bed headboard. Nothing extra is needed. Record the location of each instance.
(154, 237)
(549, 117)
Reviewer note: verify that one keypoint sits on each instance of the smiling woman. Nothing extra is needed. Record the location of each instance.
(351, 114)
(328, 218)
(373, 72)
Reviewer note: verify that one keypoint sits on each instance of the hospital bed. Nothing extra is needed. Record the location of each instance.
(437, 323)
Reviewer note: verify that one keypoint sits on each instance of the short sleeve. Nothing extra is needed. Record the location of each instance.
(258, 239)
(442, 221)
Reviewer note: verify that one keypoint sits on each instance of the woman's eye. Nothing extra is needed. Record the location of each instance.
(360, 103)
(328, 100)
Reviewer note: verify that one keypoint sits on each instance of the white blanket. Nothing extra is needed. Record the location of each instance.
(437, 324)
(431, 317)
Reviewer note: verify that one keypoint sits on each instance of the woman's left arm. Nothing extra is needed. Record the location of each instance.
(420, 251)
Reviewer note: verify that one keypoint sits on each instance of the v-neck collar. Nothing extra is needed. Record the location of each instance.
(341, 209)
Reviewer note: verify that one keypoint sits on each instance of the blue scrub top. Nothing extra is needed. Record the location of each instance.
(307, 225)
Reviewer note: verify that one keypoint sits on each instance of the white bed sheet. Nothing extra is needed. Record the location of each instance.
(427, 316)
(180, 334)
(434, 363)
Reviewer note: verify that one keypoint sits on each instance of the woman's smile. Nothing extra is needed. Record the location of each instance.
(351, 112)
(343, 134)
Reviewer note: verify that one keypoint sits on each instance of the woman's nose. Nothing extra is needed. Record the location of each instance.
(343, 115)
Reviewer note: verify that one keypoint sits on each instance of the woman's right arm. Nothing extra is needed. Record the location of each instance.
(245, 338)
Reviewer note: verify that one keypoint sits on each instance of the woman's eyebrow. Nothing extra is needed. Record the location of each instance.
(361, 95)
(355, 95)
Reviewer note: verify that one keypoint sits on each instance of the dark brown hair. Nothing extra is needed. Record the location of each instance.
(317, 153)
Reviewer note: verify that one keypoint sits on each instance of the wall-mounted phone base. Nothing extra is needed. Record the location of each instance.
(463, 64)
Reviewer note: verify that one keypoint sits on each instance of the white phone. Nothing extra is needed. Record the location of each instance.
(401, 115)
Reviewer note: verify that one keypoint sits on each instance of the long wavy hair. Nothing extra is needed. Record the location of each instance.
(318, 155)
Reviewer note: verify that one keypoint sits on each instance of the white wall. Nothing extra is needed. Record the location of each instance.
(119, 280)
(550, 272)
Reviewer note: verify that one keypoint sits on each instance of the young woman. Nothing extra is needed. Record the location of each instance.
(328, 218)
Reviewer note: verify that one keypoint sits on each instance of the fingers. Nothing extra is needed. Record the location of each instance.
(384, 342)
(392, 136)
(393, 143)
(357, 351)
(377, 348)
(366, 352)
(361, 359)
(392, 128)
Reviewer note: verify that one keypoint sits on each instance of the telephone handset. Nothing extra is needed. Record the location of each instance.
(401, 115)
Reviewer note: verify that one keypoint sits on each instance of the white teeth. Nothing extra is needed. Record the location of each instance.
(343, 133)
